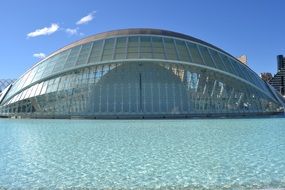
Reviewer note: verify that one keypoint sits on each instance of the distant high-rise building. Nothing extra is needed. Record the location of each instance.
(243, 59)
(278, 81)
(280, 62)
(266, 76)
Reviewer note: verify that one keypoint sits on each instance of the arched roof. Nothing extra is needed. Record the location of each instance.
(136, 31)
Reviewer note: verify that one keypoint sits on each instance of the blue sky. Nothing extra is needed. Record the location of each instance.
(252, 27)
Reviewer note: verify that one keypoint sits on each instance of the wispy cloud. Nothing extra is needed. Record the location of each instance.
(86, 19)
(39, 55)
(72, 31)
(44, 31)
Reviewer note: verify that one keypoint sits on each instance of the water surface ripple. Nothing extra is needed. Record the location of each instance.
(142, 154)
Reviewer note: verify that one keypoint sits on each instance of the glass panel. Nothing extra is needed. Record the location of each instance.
(157, 48)
(15, 99)
(207, 58)
(218, 61)
(121, 48)
(34, 88)
(195, 55)
(245, 73)
(169, 49)
(133, 41)
(146, 55)
(44, 88)
(23, 94)
(60, 61)
(28, 93)
(227, 64)
(133, 47)
(96, 52)
(108, 49)
(165, 89)
(263, 85)
(182, 51)
(145, 47)
(72, 57)
(41, 68)
(237, 68)
(38, 91)
(84, 54)
(31, 77)
(23, 80)
(255, 78)
(145, 42)
(49, 68)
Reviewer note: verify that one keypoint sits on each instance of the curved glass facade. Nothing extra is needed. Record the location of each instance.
(4, 83)
(139, 73)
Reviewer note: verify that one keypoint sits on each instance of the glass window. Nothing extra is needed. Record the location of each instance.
(145, 47)
(18, 97)
(55, 83)
(217, 59)
(157, 42)
(227, 64)
(96, 52)
(72, 57)
(30, 77)
(44, 88)
(245, 73)
(28, 93)
(255, 78)
(182, 51)
(157, 48)
(23, 95)
(108, 49)
(169, 49)
(146, 42)
(23, 80)
(207, 57)
(263, 85)
(237, 68)
(84, 54)
(109, 43)
(195, 55)
(49, 68)
(39, 89)
(121, 48)
(133, 47)
(60, 61)
(39, 73)
(34, 88)
(133, 41)
(121, 42)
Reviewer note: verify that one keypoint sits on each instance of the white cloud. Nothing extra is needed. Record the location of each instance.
(44, 31)
(86, 19)
(71, 31)
(39, 55)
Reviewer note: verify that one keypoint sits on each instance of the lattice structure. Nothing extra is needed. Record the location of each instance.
(5, 82)
(139, 73)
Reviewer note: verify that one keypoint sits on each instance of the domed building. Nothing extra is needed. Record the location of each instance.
(139, 73)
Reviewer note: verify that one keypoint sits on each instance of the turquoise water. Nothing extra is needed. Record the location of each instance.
(142, 154)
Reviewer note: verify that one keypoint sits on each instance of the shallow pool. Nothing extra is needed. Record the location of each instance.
(142, 154)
